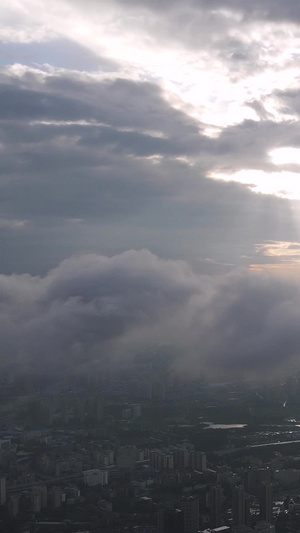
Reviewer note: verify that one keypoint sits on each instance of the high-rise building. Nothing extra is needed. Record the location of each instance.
(56, 497)
(170, 521)
(2, 490)
(266, 505)
(190, 508)
(215, 506)
(248, 518)
(198, 460)
(181, 458)
(257, 476)
(126, 457)
(158, 390)
(36, 501)
(239, 506)
(13, 505)
(44, 496)
(136, 410)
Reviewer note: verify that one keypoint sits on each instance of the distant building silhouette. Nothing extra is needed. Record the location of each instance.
(215, 506)
(190, 508)
(266, 505)
(170, 521)
(2, 490)
(240, 507)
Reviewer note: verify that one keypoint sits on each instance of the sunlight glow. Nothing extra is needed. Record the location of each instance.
(215, 88)
(284, 249)
(285, 156)
(284, 258)
(283, 184)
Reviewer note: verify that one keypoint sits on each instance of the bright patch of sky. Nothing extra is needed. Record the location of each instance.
(215, 84)
(279, 249)
(283, 184)
(285, 155)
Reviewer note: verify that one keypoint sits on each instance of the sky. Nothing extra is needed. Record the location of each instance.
(149, 184)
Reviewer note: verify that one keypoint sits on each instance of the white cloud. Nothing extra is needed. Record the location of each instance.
(283, 184)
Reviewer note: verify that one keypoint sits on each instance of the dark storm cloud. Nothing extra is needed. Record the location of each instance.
(258, 9)
(73, 168)
(134, 120)
(93, 308)
(118, 103)
(78, 169)
(28, 104)
(247, 145)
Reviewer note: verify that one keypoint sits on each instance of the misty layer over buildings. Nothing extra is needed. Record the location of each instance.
(93, 310)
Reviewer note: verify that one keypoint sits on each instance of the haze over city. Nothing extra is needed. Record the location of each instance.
(150, 157)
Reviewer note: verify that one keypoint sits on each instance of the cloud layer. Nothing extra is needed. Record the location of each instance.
(105, 165)
(92, 310)
(136, 141)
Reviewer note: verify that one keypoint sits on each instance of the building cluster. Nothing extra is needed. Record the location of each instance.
(55, 409)
(142, 461)
(172, 488)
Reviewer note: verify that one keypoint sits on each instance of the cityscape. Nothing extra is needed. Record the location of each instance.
(149, 452)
